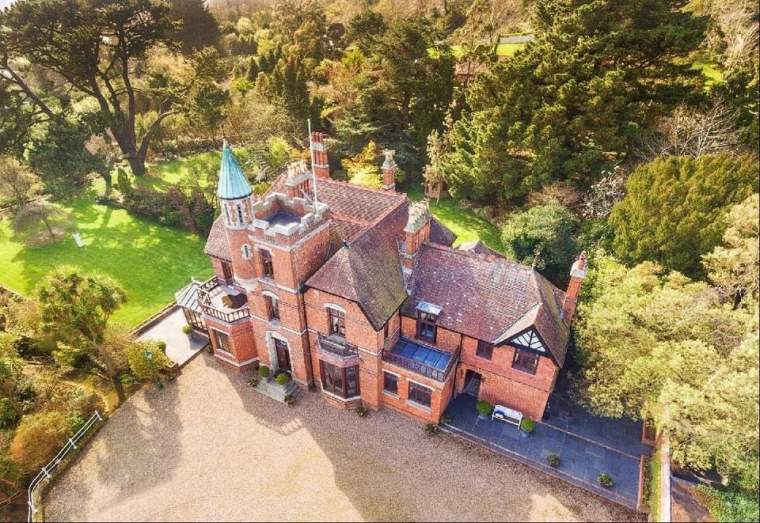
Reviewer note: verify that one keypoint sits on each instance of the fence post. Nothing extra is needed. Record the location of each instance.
(47, 469)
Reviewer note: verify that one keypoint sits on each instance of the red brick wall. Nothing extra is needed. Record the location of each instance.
(243, 269)
(242, 343)
(439, 398)
(444, 339)
(503, 385)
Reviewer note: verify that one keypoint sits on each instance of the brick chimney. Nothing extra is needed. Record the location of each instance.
(416, 232)
(319, 162)
(298, 182)
(389, 170)
(577, 274)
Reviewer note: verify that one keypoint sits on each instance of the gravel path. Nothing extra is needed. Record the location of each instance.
(207, 447)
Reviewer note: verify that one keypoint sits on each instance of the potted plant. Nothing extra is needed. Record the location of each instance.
(161, 346)
(527, 426)
(484, 409)
(264, 372)
(282, 379)
(187, 329)
(254, 381)
(431, 428)
(553, 460)
(605, 480)
(361, 411)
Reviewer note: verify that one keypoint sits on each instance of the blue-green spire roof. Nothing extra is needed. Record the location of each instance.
(232, 182)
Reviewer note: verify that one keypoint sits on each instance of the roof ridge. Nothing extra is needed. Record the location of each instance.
(361, 187)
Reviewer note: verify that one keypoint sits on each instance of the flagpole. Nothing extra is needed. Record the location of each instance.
(311, 153)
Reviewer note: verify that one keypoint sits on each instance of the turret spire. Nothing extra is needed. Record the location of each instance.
(232, 182)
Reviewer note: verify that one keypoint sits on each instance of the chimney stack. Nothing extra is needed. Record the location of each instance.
(416, 232)
(577, 274)
(319, 162)
(389, 170)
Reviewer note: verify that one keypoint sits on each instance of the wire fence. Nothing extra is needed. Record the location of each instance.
(46, 472)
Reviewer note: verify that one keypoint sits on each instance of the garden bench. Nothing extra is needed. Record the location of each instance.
(507, 415)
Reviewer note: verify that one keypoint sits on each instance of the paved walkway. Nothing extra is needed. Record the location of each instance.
(179, 346)
(582, 458)
(208, 448)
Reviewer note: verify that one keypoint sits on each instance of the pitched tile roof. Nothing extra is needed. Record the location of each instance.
(216, 243)
(478, 247)
(441, 234)
(486, 297)
(367, 270)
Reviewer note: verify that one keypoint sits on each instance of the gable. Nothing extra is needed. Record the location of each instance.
(528, 339)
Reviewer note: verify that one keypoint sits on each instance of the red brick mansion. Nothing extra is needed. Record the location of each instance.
(358, 292)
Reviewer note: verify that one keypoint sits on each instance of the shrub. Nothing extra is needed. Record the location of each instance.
(38, 438)
(290, 400)
(161, 346)
(605, 480)
(431, 428)
(282, 378)
(361, 411)
(484, 408)
(528, 425)
(145, 361)
(187, 329)
(8, 413)
(264, 371)
(253, 382)
(553, 460)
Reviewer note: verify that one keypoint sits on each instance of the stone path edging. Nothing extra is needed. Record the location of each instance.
(606, 494)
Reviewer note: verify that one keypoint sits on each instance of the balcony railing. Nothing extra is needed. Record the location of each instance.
(337, 346)
(208, 308)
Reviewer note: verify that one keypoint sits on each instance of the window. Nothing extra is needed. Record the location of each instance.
(390, 383)
(246, 250)
(337, 321)
(267, 268)
(227, 271)
(385, 330)
(273, 309)
(240, 214)
(222, 342)
(484, 350)
(419, 394)
(426, 326)
(525, 361)
(343, 382)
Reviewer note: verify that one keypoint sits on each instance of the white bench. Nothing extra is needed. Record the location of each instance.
(507, 415)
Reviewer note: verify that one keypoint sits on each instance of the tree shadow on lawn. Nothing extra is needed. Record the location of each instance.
(150, 261)
(390, 469)
(135, 450)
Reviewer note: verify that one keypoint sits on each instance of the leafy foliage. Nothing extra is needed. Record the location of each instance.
(146, 361)
(732, 266)
(675, 208)
(38, 437)
(655, 344)
(571, 103)
(542, 236)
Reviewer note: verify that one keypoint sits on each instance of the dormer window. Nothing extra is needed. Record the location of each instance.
(427, 317)
(267, 267)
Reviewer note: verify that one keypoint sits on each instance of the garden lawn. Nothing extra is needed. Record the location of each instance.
(151, 262)
(463, 222)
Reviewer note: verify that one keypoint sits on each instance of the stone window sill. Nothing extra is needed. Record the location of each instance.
(419, 406)
(391, 394)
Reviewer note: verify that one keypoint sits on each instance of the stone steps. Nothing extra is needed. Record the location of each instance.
(271, 389)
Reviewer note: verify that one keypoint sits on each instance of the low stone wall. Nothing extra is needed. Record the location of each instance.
(155, 318)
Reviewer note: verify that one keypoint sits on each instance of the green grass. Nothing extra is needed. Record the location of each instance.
(151, 262)
(463, 222)
(709, 69)
(503, 50)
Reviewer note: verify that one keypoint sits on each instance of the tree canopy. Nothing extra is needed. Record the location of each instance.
(572, 102)
(675, 208)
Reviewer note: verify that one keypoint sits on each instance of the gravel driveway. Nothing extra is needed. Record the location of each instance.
(207, 447)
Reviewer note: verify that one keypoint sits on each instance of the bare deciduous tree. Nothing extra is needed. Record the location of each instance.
(17, 183)
(689, 132)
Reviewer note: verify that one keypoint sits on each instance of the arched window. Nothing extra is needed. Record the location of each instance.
(246, 250)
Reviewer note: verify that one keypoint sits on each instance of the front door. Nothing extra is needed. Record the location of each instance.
(471, 383)
(283, 356)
